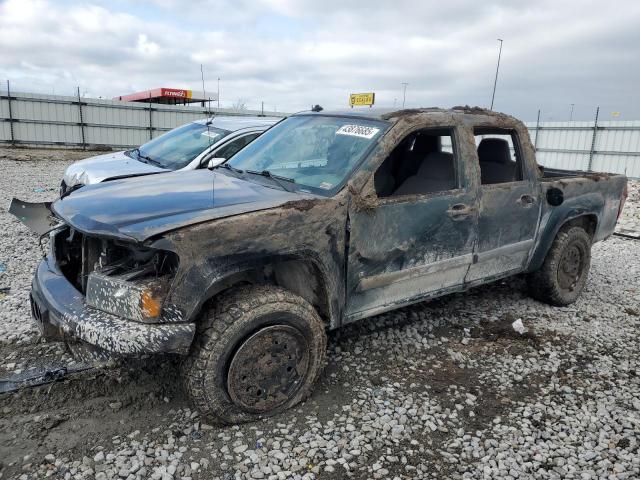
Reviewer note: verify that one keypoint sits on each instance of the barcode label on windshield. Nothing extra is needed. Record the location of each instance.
(361, 131)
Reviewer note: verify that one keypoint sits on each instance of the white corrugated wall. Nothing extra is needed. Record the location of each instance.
(55, 120)
(568, 145)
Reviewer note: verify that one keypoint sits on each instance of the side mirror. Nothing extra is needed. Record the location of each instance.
(214, 162)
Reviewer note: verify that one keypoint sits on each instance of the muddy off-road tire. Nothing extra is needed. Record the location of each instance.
(258, 352)
(564, 272)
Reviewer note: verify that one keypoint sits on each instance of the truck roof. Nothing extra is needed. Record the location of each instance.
(379, 113)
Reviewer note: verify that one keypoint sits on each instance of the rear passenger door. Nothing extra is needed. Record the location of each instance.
(508, 205)
(418, 236)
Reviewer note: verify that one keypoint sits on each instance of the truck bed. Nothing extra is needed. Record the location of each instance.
(596, 194)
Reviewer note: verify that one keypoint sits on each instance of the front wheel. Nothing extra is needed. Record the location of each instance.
(259, 352)
(564, 272)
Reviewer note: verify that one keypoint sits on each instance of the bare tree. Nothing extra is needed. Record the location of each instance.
(240, 105)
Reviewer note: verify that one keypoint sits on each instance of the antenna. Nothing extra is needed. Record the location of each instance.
(209, 120)
(203, 92)
(495, 81)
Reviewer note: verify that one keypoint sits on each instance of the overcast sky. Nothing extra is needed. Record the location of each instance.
(291, 54)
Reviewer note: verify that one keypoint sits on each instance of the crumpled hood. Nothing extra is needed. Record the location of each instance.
(97, 169)
(141, 207)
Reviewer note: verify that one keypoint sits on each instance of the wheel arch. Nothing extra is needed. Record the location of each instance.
(587, 220)
(299, 273)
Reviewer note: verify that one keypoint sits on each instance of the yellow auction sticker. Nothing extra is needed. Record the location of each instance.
(362, 99)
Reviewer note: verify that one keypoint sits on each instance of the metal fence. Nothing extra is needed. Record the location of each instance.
(605, 146)
(54, 120)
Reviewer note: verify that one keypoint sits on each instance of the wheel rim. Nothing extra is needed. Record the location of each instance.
(268, 368)
(570, 267)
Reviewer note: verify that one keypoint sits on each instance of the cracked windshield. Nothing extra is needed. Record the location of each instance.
(310, 151)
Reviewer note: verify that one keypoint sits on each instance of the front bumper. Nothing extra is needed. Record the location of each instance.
(61, 314)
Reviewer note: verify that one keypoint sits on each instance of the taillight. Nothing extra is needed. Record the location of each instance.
(625, 192)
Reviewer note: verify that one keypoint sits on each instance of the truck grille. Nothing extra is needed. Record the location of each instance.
(76, 255)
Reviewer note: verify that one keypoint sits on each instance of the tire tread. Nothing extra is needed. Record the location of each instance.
(543, 284)
(232, 307)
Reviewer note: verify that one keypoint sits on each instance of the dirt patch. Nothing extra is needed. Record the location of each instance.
(300, 205)
(362, 204)
(74, 416)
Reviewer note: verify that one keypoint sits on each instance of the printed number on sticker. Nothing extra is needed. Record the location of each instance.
(358, 131)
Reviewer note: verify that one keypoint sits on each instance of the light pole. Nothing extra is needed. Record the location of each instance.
(495, 81)
(218, 93)
(571, 114)
(404, 92)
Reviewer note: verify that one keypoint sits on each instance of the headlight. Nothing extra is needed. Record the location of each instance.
(139, 300)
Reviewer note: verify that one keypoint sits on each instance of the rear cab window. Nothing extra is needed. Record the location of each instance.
(499, 155)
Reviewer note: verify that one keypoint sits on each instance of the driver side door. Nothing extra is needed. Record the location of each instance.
(417, 238)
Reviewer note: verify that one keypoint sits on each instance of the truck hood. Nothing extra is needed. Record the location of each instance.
(142, 207)
(97, 169)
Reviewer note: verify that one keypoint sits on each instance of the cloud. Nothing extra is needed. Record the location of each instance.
(292, 54)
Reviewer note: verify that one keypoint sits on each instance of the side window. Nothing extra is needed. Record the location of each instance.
(499, 156)
(234, 146)
(424, 162)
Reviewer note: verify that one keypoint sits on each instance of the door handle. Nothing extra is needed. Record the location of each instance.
(460, 210)
(527, 200)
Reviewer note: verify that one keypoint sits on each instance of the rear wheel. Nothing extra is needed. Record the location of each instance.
(564, 272)
(259, 352)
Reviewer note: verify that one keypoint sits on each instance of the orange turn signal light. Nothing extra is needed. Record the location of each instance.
(150, 306)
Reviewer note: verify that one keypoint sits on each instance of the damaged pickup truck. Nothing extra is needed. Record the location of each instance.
(325, 219)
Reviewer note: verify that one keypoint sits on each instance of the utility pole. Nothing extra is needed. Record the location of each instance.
(404, 92)
(495, 81)
(571, 114)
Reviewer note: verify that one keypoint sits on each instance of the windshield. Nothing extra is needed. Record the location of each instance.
(312, 150)
(176, 148)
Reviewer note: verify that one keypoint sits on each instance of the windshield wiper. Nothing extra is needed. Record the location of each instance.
(147, 158)
(229, 167)
(276, 178)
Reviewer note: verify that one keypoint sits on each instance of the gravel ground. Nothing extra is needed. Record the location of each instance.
(445, 389)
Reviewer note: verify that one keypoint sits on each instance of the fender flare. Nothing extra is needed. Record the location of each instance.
(586, 205)
(217, 274)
